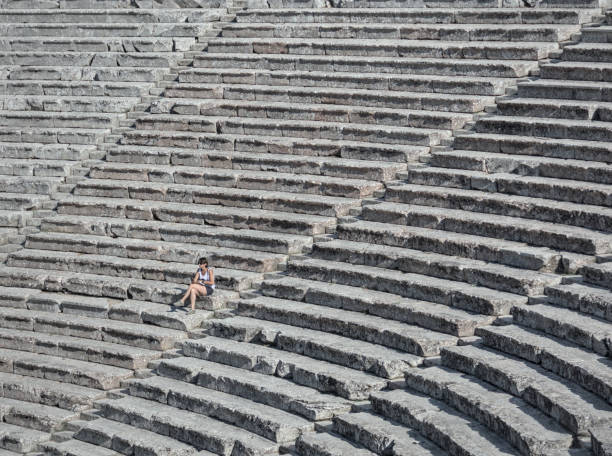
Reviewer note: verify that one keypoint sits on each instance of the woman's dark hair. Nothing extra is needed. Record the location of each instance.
(202, 261)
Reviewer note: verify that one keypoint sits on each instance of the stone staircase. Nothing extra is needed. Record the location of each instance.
(407, 218)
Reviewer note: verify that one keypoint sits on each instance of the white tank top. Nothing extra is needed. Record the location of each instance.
(204, 278)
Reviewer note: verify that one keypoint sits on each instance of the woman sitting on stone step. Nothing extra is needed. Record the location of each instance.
(202, 284)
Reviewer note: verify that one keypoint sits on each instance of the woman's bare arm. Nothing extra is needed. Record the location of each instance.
(211, 276)
(195, 277)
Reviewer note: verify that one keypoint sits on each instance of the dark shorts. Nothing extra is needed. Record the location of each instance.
(209, 290)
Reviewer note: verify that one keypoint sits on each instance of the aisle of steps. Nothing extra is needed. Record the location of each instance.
(69, 72)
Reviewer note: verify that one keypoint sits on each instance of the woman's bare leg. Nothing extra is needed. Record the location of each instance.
(197, 290)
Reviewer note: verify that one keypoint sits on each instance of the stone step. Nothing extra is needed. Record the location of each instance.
(476, 247)
(346, 149)
(161, 60)
(276, 392)
(45, 340)
(533, 232)
(524, 165)
(437, 317)
(53, 135)
(247, 260)
(383, 134)
(263, 420)
(544, 147)
(416, 286)
(56, 120)
(555, 108)
(526, 429)
(325, 444)
(368, 30)
(227, 217)
(72, 88)
(34, 416)
(462, 14)
(599, 275)
(39, 168)
(278, 162)
(99, 71)
(331, 348)
(589, 370)
(127, 30)
(321, 375)
(182, 233)
(30, 185)
(452, 431)
(145, 337)
(586, 299)
(96, 44)
(464, 85)
(34, 151)
(144, 312)
(268, 200)
(187, 427)
(106, 286)
(383, 436)
(111, 15)
(384, 48)
(90, 375)
(76, 448)
(111, 266)
(538, 187)
(369, 64)
(245, 179)
(578, 71)
(600, 441)
(584, 330)
(377, 330)
(475, 272)
(67, 105)
(21, 202)
(48, 392)
(15, 219)
(574, 408)
(566, 89)
(588, 52)
(589, 130)
(20, 439)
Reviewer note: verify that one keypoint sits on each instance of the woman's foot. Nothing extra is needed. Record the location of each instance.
(178, 303)
(191, 311)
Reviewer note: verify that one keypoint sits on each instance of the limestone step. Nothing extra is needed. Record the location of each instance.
(344, 351)
(266, 389)
(227, 217)
(52, 135)
(529, 231)
(599, 275)
(105, 330)
(11, 218)
(544, 147)
(574, 408)
(34, 416)
(112, 15)
(158, 314)
(187, 427)
(584, 330)
(383, 436)
(263, 420)
(30, 185)
(588, 52)
(112, 266)
(21, 202)
(555, 108)
(47, 392)
(525, 165)
(99, 71)
(436, 317)
(589, 370)
(325, 444)
(467, 85)
(182, 233)
(578, 71)
(76, 448)
(96, 44)
(369, 64)
(409, 285)
(384, 134)
(20, 439)
(393, 334)
(56, 120)
(39, 168)
(246, 179)
(106, 286)
(34, 151)
(90, 375)
(247, 260)
(45, 340)
(347, 149)
(68, 105)
(475, 272)
(452, 431)
(566, 89)
(71, 88)
(161, 60)
(586, 299)
(278, 162)
(463, 14)
(549, 188)
(115, 30)
(476, 247)
(600, 441)
(590, 130)
(368, 30)
(384, 48)
(525, 428)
